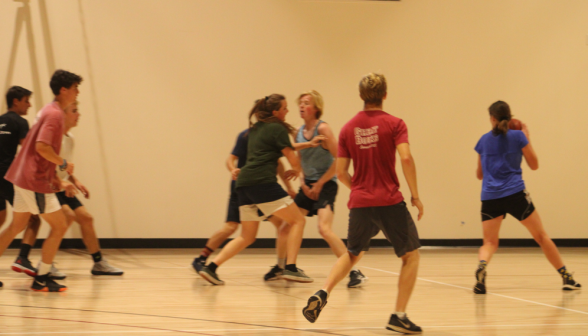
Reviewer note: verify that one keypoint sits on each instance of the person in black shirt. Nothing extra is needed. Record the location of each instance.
(13, 130)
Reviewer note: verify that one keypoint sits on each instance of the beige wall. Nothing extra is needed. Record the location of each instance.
(167, 86)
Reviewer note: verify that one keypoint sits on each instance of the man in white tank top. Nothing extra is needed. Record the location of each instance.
(73, 208)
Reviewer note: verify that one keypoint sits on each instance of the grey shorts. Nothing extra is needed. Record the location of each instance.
(394, 220)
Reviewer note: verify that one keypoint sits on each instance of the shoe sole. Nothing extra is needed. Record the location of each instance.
(46, 290)
(277, 277)
(402, 330)
(55, 277)
(360, 284)
(297, 279)
(19, 269)
(313, 306)
(211, 279)
(103, 273)
(196, 269)
(570, 288)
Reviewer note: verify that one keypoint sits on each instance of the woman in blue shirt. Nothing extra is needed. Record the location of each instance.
(503, 191)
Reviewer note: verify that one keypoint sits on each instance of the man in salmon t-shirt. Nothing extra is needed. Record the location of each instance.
(35, 180)
(371, 140)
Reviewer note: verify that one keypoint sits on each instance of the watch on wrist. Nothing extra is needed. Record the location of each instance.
(64, 165)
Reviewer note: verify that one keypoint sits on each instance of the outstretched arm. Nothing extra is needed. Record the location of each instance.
(409, 170)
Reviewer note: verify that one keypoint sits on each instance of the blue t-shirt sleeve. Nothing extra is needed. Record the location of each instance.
(478, 147)
(240, 148)
(522, 140)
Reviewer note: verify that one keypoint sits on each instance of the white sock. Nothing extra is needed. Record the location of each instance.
(282, 263)
(355, 268)
(43, 268)
(401, 315)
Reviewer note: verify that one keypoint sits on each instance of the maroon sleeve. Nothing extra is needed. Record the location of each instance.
(51, 125)
(401, 135)
(343, 151)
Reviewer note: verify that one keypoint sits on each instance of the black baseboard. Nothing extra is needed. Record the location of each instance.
(129, 243)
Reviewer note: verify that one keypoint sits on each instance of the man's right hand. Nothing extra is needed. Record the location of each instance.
(69, 188)
(69, 168)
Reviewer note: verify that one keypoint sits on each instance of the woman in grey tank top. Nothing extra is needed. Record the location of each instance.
(319, 186)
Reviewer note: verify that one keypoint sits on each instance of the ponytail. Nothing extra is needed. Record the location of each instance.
(501, 112)
(263, 111)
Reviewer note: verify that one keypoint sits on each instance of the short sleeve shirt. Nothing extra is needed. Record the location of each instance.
(370, 140)
(501, 157)
(240, 149)
(30, 170)
(264, 149)
(13, 128)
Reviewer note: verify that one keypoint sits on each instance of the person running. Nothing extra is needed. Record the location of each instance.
(258, 190)
(35, 181)
(13, 131)
(239, 155)
(319, 189)
(370, 140)
(74, 209)
(500, 154)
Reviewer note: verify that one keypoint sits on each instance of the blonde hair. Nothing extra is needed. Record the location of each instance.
(317, 99)
(373, 88)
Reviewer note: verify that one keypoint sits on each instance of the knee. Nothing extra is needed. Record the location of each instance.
(60, 228)
(230, 228)
(491, 243)
(324, 229)
(411, 257)
(541, 238)
(84, 219)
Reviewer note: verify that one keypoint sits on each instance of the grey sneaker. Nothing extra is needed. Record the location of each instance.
(298, 276)
(356, 279)
(104, 268)
(210, 276)
(56, 274)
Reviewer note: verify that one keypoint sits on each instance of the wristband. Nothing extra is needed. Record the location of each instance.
(63, 166)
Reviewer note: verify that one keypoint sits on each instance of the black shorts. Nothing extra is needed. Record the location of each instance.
(518, 205)
(326, 197)
(6, 193)
(72, 202)
(258, 201)
(394, 220)
(233, 210)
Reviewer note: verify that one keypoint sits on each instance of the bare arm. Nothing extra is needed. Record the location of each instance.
(409, 170)
(293, 159)
(315, 142)
(287, 183)
(529, 152)
(47, 152)
(330, 143)
(479, 171)
(231, 166)
(343, 171)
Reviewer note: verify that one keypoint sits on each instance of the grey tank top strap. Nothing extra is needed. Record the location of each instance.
(315, 161)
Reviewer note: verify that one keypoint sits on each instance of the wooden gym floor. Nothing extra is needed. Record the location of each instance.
(161, 295)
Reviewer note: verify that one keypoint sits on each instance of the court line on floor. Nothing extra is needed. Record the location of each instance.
(293, 329)
(488, 293)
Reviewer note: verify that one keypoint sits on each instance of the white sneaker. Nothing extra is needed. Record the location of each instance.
(104, 268)
(56, 274)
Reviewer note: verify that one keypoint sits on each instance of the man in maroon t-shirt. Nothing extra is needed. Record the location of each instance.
(371, 140)
(35, 181)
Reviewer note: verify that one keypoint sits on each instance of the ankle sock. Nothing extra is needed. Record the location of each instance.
(212, 267)
(25, 249)
(292, 268)
(483, 264)
(564, 272)
(401, 315)
(97, 257)
(43, 268)
(282, 263)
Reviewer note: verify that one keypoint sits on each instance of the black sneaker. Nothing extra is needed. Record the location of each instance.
(274, 274)
(356, 279)
(1, 284)
(315, 304)
(404, 326)
(43, 283)
(210, 276)
(23, 265)
(480, 287)
(569, 283)
(198, 264)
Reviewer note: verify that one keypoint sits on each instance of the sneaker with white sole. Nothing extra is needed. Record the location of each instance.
(56, 274)
(404, 325)
(356, 279)
(104, 268)
(298, 276)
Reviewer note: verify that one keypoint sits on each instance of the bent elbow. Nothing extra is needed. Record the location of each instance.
(406, 159)
(340, 175)
(534, 166)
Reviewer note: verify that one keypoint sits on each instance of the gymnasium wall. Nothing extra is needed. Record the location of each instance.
(168, 85)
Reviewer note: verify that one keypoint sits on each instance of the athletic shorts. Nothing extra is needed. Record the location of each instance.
(72, 202)
(267, 198)
(394, 220)
(33, 202)
(326, 197)
(6, 193)
(519, 205)
(233, 209)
